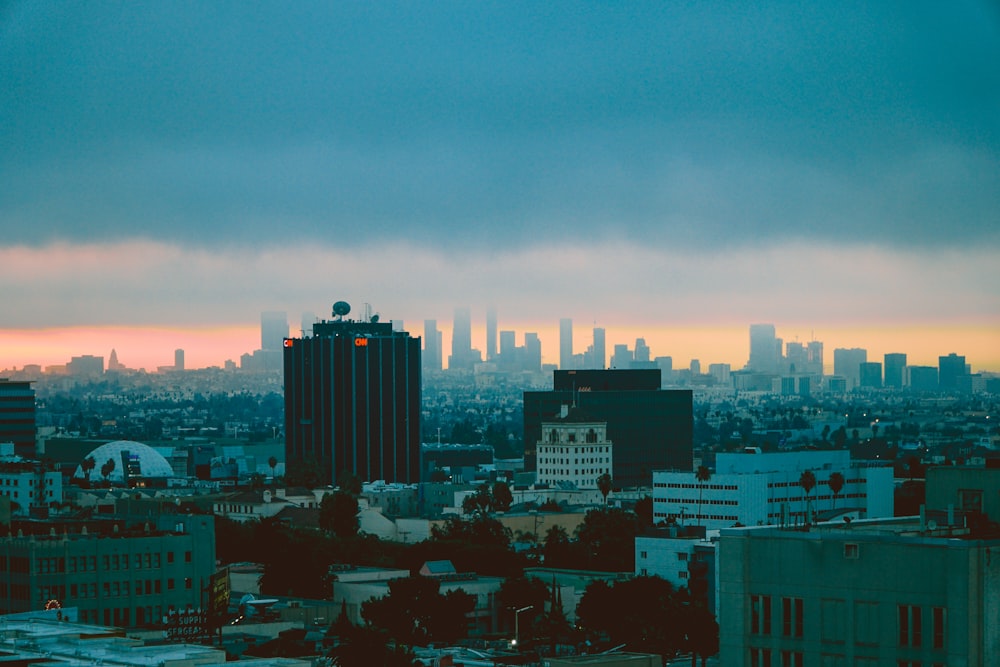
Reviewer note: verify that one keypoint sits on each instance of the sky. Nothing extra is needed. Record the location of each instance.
(672, 170)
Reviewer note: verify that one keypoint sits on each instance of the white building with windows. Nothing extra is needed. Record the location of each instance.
(29, 485)
(574, 450)
(757, 489)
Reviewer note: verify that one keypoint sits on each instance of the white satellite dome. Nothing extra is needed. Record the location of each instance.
(151, 462)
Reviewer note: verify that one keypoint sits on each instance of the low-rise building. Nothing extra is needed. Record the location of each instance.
(756, 489)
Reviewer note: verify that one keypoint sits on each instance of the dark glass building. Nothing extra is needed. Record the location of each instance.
(17, 416)
(650, 428)
(352, 400)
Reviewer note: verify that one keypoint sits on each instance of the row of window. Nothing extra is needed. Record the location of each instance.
(16, 481)
(565, 472)
(701, 501)
(713, 487)
(911, 621)
(109, 562)
(575, 460)
(762, 657)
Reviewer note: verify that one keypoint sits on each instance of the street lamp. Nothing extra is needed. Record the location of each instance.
(517, 627)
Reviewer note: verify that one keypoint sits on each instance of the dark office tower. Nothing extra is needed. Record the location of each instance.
(273, 329)
(870, 375)
(462, 357)
(764, 349)
(352, 400)
(599, 356)
(17, 416)
(847, 364)
(432, 346)
(565, 344)
(491, 334)
(652, 428)
(895, 370)
(949, 370)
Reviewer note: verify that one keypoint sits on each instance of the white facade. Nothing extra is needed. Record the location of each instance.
(29, 486)
(573, 451)
(763, 489)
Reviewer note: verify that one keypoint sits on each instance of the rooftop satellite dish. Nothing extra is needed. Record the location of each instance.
(932, 525)
(341, 308)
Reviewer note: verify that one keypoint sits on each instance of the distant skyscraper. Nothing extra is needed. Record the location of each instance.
(814, 356)
(695, 367)
(491, 333)
(764, 349)
(949, 370)
(847, 364)
(599, 356)
(273, 329)
(922, 378)
(308, 319)
(86, 366)
(532, 353)
(870, 373)
(565, 344)
(432, 346)
(113, 363)
(179, 360)
(622, 357)
(17, 417)
(641, 351)
(463, 357)
(352, 400)
(895, 370)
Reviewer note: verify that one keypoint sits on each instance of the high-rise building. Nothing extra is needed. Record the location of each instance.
(814, 357)
(895, 369)
(950, 368)
(532, 352)
(764, 349)
(847, 364)
(178, 359)
(641, 351)
(432, 346)
(462, 357)
(622, 357)
(491, 333)
(273, 329)
(86, 366)
(565, 344)
(17, 416)
(308, 318)
(352, 400)
(596, 355)
(651, 428)
(870, 375)
(922, 378)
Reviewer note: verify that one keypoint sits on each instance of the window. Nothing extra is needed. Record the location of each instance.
(909, 625)
(170, 584)
(760, 657)
(970, 500)
(851, 551)
(791, 617)
(866, 619)
(938, 622)
(760, 614)
(170, 556)
(791, 659)
(832, 616)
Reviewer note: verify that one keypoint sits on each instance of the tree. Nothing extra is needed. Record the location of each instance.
(702, 475)
(557, 551)
(338, 514)
(416, 613)
(502, 497)
(107, 469)
(605, 484)
(87, 465)
(273, 462)
(646, 613)
(349, 482)
(807, 480)
(702, 633)
(365, 646)
(606, 540)
(644, 511)
(836, 485)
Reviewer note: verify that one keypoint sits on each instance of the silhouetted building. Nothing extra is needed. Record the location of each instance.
(565, 344)
(847, 364)
(178, 360)
(273, 329)
(871, 375)
(17, 416)
(86, 366)
(950, 368)
(922, 378)
(432, 346)
(596, 355)
(651, 428)
(352, 400)
(895, 370)
(491, 333)
(463, 357)
(765, 349)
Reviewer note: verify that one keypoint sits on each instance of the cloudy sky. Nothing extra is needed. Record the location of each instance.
(675, 170)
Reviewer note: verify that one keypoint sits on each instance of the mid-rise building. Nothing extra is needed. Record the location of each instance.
(922, 378)
(754, 489)
(847, 364)
(17, 416)
(565, 344)
(352, 400)
(877, 593)
(765, 349)
(432, 359)
(950, 368)
(895, 370)
(31, 486)
(871, 375)
(491, 333)
(651, 428)
(115, 572)
(574, 450)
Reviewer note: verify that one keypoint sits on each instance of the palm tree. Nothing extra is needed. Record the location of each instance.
(807, 480)
(836, 485)
(604, 483)
(273, 462)
(88, 466)
(702, 475)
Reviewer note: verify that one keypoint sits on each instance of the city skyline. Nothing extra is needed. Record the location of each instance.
(209, 347)
(664, 171)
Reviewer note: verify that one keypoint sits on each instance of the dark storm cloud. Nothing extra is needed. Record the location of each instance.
(504, 124)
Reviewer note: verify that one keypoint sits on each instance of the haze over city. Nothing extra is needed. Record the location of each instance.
(665, 171)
